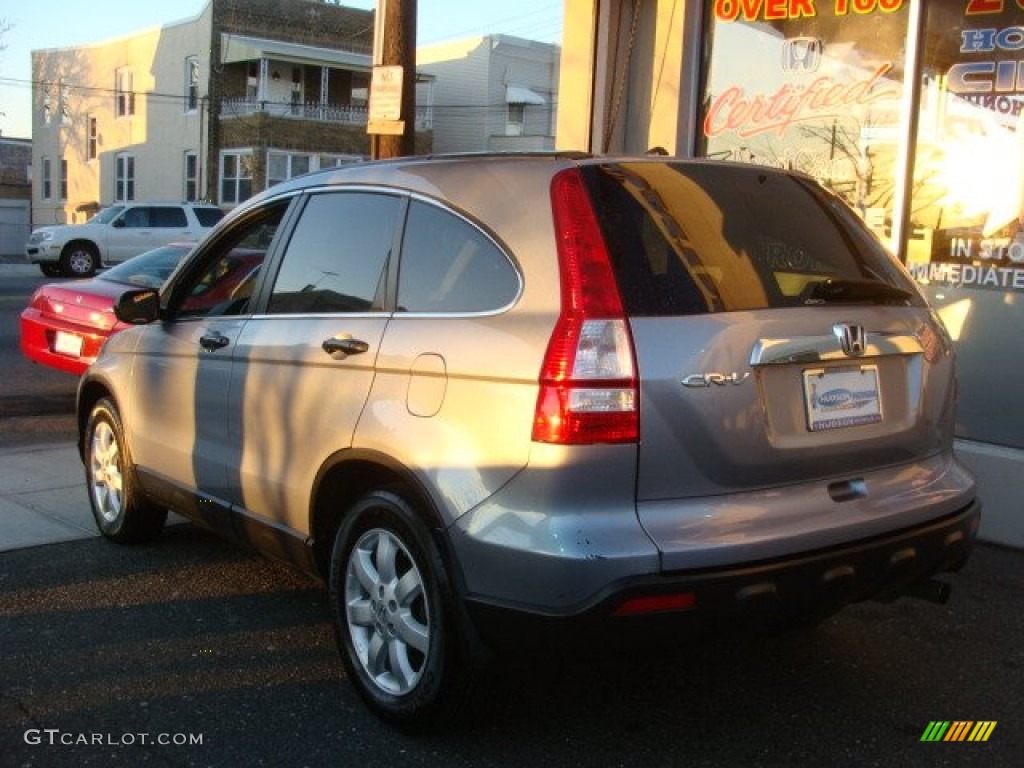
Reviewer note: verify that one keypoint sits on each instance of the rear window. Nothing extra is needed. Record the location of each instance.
(697, 238)
(207, 217)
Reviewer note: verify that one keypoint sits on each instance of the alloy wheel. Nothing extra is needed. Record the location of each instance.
(387, 612)
(107, 482)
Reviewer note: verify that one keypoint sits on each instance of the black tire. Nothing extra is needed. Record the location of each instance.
(122, 513)
(79, 259)
(400, 630)
(49, 268)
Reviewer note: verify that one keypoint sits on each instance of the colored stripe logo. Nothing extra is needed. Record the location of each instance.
(958, 730)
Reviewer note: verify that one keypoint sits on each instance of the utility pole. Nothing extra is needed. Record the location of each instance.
(395, 46)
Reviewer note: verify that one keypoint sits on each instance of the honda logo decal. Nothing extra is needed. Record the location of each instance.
(802, 54)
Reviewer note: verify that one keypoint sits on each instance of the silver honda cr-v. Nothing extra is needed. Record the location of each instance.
(550, 387)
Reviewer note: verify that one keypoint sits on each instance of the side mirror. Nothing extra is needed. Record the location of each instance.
(117, 224)
(138, 307)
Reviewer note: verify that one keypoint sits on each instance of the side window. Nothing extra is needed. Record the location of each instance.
(207, 217)
(448, 265)
(223, 282)
(168, 217)
(336, 257)
(137, 217)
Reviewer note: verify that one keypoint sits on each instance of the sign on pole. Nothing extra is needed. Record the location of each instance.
(386, 100)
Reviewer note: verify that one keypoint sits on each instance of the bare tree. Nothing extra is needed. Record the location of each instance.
(6, 25)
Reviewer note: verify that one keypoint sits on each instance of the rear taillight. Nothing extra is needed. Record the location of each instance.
(588, 385)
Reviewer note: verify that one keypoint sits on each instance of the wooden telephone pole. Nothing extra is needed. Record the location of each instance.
(395, 46)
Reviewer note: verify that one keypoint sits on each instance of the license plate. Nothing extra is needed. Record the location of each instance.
(68, 344)
(842, 397)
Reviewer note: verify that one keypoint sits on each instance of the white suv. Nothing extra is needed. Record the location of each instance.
(115, 234)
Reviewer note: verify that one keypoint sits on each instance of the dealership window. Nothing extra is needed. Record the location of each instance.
(965, 238)
(63, 181)
(124, 178)
(92, 138)
(282, 166)
(235, 177)
(47, 179)
(191, 176)
(818, 93)
(191, 84)
(124, 95)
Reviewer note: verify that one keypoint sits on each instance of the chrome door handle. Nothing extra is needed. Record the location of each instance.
(342, 347)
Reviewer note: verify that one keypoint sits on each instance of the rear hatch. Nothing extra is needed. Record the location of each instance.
(777, 342)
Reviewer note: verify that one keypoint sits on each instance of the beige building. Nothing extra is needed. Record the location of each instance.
(216, 107)
(492, 93)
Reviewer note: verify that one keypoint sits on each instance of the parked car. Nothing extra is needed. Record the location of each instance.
(66, 323)
(115, 234)
(473, 393)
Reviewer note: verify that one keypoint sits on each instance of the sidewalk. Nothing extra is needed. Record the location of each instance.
(43, 497)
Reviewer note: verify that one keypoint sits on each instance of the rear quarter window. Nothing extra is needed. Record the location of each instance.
(207, 217)
(450, 266)
(699, 238)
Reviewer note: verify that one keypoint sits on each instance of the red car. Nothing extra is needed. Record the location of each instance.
(66, 323)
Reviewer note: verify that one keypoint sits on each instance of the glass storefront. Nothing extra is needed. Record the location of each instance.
(818, 90)
(967, 245)
(819, 86)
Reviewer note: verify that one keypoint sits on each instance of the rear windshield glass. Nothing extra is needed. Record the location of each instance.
(696, 238)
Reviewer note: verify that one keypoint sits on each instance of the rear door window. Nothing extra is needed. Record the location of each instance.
(699, 238)
(168, 216)
(450, 266)
(336, 257)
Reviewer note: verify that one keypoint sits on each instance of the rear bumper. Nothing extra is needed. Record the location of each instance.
(37, 338)
(805, 585)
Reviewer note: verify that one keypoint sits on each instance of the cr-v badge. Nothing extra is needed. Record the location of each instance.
(697, 380)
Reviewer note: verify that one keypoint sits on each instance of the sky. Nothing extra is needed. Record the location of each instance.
(34, 24)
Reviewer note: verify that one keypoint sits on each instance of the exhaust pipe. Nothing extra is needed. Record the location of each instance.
(932, 590)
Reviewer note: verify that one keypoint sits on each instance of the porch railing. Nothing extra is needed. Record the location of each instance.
(326, 113)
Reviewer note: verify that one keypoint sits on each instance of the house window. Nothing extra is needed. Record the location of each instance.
(235, 177)
(124, 95)
(191, 176)
(331, 161)
(64, 105)
(47, 179)
(92, 138)
(63, 181)
(516, 120)
(282, 166)
(124, 178)
(191, 84)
